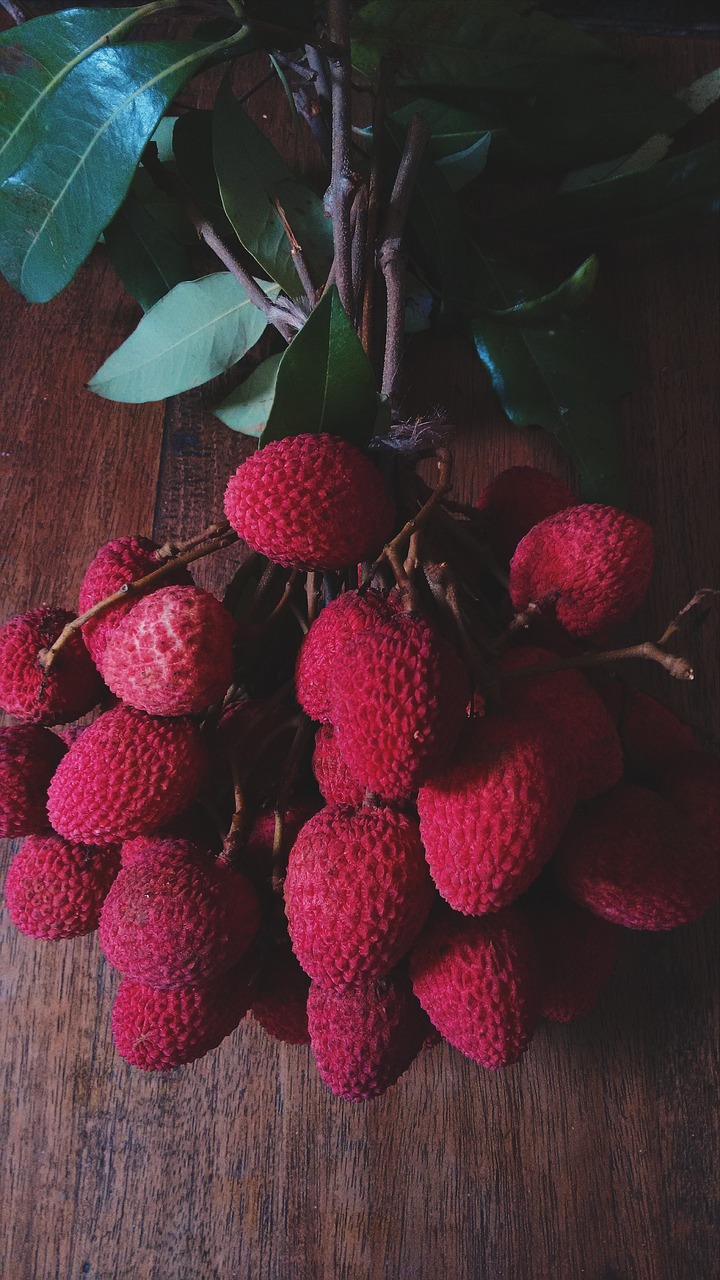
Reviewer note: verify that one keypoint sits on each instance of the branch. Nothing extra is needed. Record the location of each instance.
(392, 549)
(16, 13)
(298, 256)
(340, 192)
(391, 256)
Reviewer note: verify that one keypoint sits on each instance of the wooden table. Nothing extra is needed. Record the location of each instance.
(595, 1157)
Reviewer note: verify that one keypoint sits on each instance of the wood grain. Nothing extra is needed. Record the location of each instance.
(595, 1157)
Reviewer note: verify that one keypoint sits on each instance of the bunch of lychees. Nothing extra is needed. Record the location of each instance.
(456, 847)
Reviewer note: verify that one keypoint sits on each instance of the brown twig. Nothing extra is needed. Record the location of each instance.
(303, 733)
(401, 540)
(340, 192)
(313, 590)
(676, 666)
(676, 625)
(170, 548)
(391, 256)
(358, 224)
(259, 628)
(16, 13)
(373, 218)
(298, 256)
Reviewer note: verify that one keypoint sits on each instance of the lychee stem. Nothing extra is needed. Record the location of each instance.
(401, 540)
(340, 192)
(298, 257)
(303, 736)
(391, 256)
(675, 665)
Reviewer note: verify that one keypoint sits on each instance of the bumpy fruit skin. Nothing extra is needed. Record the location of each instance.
(491, 820)
(577, 953)
(691, 782)
(173, 653)
(160, 1029)
(280, 1005)
(71, 688)
(516, 500)
(592, 563)
(55, 889)
(477, 982)
(633, 858)
(157, 848)
(29, 756)
(398, 705)
(117, 562)
(322, 653)
(171, 922)
(336, 782)
(357, 893)
(649, 732)
(127, 775)
(257, 856)
(364, 1036)
(310, 502)
(567, 700)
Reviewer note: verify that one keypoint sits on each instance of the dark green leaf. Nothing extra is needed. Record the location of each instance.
(325, 381)
(192, 148)
(148, 260)
(34, 60)
(164, 208)
(195, 332)
(461, 167)
(96, 124)
(571, 295)
(248, 407)
(452, 128)
(286, 88)
(252, 177)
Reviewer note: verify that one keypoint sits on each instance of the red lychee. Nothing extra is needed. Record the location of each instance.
(159, 1029)
(591, 563)
(691, 781)
(491, 819)
(120, 561)
(67, 691)
(567, 700)
(337, 784)
(649, 732)
(516, 500)
(157, 848)
(127, 775)
(477, 982)
(311, 502)
(170, 921)
(257, 856)
(29, 756)
(577, 953)
(357, 893)
(173, 653)
(323, 649)
(633, 858)
(364, 1036)
(55, 889)
(280, 1005)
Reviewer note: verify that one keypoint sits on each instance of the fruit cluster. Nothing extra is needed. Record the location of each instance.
(440, 832)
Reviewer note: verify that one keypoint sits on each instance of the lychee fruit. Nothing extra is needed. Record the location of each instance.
(310, 502)
(29, 756)
(576, 952)
(516, 500)
(160, 848)
(649, 732)
(55, 889)
(337, 783)
(118, 562)
(172, 654)
(127, 775)
(365, 1035)
(477, 982)
(160, 1029)
(257, 856)
(280, 1005)
(591, 563)
(357, 893)
(491, 819)
(67, 691)
(322, 653)
(170, 921)
(691, 781)
(633, 858)
(567, 700)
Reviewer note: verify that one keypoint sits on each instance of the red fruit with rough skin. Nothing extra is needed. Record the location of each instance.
(126, 776)
(258, 852)
(491, 820)
(172, 921)
(633, 858)
(160, 1029)
(567, 700)
(55, 889)
(29, 756)
(157, 848)
(591, 563)
(337, 784)
(322, 654)
(310, 502)
(120, 561)
(691, 781)
(577, 953)
(357, 893)
(649, 732)
(477, 982)
(364, 1036)
(398, 705)
(280, 1005)
(516, 500)
(67, 691)
(173, 653)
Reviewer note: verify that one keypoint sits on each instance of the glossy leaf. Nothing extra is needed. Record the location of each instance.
(148, 260)
(452, 129)
(461, 167)
(252, 177)
(325, 381)
(248, 407)
(195, 332)
(96, 124)
(571, 295)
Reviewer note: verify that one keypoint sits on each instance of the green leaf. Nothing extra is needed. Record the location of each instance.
(563, 376)
(96, 124)
(571, 295)
(36, 57)
(148, 260)
(452, 129)
(325, 381)
(195, 332)
(248, 407)
(461, 167)
(252, 177)
(193, 152)
(286, 88)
